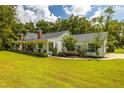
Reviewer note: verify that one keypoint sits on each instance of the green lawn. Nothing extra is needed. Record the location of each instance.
(17, 70)
(119, 51)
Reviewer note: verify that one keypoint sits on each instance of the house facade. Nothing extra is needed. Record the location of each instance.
(38, 42)
(87, 41)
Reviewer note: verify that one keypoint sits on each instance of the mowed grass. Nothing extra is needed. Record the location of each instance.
(18, 70)
(119, 51)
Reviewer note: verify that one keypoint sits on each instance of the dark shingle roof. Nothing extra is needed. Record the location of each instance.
(91, 36)
(33, 36)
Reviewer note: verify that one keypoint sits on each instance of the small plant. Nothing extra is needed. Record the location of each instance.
(61, 54)
(44, 54)
(81, 52)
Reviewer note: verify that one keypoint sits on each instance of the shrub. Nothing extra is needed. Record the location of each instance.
(61, 54)
(41, 54)
(111, 48)
(36, 53)
(55, 52)
(81, 52)
(65, 54)
(44, 54)
(69, 42)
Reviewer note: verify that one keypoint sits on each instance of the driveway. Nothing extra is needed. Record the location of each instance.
(113, 56)
(108, 56)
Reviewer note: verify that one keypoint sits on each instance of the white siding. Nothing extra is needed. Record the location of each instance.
(57, 41)
(102, 50)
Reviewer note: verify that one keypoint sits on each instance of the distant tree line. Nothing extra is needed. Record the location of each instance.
(10, 28)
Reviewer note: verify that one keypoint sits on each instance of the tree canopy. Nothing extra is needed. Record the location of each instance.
(7, 19)
(10, 28)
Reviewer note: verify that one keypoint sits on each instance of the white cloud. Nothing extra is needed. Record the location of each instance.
(77, 10)
(119, 12)
(97, 13)
(34, 13)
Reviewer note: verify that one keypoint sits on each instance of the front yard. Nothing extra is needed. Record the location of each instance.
(18, 70)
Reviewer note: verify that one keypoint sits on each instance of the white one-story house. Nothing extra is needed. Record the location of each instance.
(46, 42)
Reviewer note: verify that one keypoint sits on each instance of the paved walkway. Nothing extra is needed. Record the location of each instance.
(114, 56)
(107, 57)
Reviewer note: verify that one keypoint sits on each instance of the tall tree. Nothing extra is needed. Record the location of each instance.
(45, 26)
(111, 39)
(109, 11)
(97, 24)
(18, 29)
(98, 43)
(7, 19)
(78, 24)
(30, 27)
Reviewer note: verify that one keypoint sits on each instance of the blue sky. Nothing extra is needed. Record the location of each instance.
(57, 10)
(52, 12)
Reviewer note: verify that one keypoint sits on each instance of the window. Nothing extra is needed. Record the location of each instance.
(50, 46)
(91, 47)
(56, 45)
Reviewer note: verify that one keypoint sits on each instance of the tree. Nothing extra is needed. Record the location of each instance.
(111, 39)
(122, 41)
(19, 28)
(69, 43)
(7, 19)
(30, 27)
(98, 43)
(109, 11)
(114, 32)
(45, 26)
(97, 24)
(106, 24)
(78, 24)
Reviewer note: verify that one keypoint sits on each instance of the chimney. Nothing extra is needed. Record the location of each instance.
(39, 34)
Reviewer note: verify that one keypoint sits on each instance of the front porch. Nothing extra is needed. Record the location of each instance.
(32, 46)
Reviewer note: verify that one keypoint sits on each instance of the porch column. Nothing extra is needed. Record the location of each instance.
(47, 47)
(36, 47)
(20, 47)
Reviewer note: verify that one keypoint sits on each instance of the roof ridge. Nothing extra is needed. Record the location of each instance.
(88, 33)
(50, 32)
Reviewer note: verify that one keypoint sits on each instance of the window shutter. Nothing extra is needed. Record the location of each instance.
(40, 45)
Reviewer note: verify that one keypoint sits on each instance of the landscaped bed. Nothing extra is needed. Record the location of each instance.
(19, 70)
